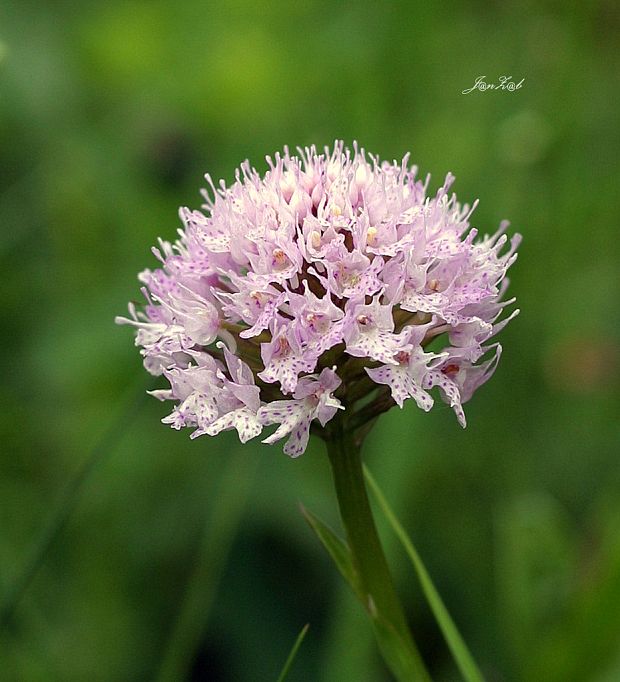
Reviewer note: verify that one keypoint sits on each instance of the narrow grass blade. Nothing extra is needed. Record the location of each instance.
(338, 551)
(462, 656)
(294, 650)
(391, 643)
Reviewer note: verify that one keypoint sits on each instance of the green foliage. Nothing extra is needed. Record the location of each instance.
(339, 552)
(459, 649)
(390, 642)
(291, 657)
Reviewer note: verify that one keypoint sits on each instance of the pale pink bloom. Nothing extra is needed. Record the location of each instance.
(286, 290)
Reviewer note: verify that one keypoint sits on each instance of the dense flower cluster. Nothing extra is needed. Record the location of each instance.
(332, 279)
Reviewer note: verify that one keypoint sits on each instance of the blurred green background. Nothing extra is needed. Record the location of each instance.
(109, 115)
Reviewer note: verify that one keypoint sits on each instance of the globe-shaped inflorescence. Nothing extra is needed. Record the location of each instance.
(333, 282)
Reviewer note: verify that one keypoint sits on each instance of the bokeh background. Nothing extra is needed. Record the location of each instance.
(190, 560)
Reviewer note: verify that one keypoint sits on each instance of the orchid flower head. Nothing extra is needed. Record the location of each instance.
(331, 281)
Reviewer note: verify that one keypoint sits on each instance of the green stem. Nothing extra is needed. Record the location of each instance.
(391, 629)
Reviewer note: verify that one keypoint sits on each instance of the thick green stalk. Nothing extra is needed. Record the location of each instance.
(391, 629)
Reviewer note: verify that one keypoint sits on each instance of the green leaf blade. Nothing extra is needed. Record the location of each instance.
(291, 657)
(339, 552)
(391, 643)
(462, 655)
